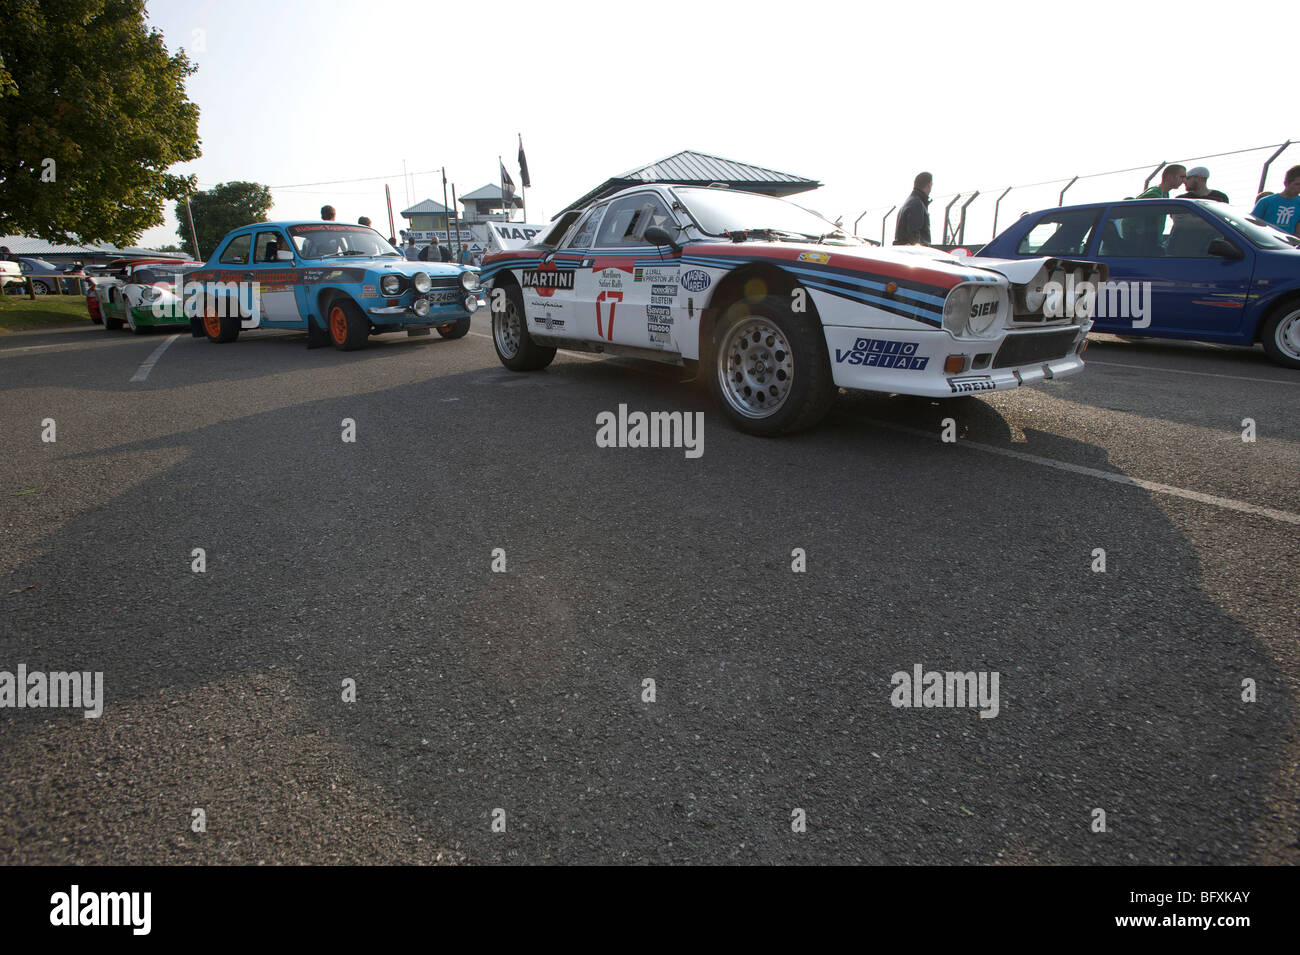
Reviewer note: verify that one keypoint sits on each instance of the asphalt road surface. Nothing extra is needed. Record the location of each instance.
(516, 700)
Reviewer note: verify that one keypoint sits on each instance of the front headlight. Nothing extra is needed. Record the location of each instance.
(390, 284)
(469, 281)
(956, 310)
(983, 318)
(421, 282)
(1034, 299)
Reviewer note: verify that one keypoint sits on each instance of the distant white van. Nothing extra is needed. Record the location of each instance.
(10, 274)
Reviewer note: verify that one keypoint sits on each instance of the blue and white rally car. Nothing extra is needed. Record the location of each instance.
(341, 283)
(778, 307)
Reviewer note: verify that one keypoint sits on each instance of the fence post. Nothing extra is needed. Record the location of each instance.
(995, 209)
(855, 223)
(947, 225)
(882, 224)
(1263, 173)
(961, 223)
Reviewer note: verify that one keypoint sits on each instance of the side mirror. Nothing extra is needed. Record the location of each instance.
(659, 236)
(284, 255)
(1224, 249)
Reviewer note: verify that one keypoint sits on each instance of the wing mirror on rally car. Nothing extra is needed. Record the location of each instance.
(284, 255)
(1225, 250)
(659, 236)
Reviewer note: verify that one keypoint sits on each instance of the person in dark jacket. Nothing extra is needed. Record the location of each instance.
(913, 224)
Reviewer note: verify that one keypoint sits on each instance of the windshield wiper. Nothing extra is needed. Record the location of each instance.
(740, 235)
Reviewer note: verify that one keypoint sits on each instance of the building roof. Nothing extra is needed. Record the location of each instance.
(690, 168)
(490, 193)
(36, 248)
(426, 208)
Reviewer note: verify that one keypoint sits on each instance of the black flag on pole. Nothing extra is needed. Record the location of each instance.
(523, 165)
(507, 184)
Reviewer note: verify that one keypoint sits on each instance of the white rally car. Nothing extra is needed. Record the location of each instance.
(778, 306)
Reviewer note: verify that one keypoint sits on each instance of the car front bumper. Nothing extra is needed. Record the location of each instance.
(439, 313)
(912, 362)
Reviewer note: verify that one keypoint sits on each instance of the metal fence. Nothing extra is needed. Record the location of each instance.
(979, 213)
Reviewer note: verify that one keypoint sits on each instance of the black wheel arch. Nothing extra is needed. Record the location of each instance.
(732, 288)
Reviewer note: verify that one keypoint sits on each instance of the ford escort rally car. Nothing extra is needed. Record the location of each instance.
(342, 283)
(778, 306)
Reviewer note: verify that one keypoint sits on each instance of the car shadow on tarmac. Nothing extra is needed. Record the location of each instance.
(524, 690)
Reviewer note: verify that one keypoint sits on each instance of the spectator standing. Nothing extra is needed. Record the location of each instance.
(1282, 211)
(412, 252)
(6, 255)
(365, 221)
(913, 224)
(1173, 177)
(327, 213)
(1197, 177)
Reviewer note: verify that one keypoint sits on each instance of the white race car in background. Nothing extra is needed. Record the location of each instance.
(143, 295)
(778, 305)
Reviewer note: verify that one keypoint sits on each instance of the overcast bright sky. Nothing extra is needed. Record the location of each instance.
(859, 96)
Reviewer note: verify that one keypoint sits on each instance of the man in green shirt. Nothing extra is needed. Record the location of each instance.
(1173, 177)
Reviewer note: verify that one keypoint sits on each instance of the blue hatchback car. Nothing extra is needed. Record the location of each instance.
(1215, 274)
(341, 283)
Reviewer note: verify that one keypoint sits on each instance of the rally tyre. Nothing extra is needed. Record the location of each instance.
(220, 329)
(348, 327)
(771, 373)
(515, 347)
(1281, 334)
(456, 329)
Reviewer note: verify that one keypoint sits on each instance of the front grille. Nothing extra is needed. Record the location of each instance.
(1029, 348)
(451, 281)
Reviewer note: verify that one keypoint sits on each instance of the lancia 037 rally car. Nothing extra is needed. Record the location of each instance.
(342, 283)
(778, 306)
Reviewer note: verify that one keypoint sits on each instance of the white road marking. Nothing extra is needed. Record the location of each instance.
(1223, 502)
(143, 371)
(1180, 371)
(562, 351)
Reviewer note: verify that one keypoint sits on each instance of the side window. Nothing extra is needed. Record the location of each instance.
(628, 218)
(266, 247)
(237, 252)
(1060, 233)
(1165, 232)
(586, 234)
(1189, 236)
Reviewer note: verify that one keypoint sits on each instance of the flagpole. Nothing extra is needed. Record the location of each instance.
(446, 217)
(455, 218)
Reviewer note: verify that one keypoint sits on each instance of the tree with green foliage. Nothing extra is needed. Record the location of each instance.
(225, 206)
(93, 112)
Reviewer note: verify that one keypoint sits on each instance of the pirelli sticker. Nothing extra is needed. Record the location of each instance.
(964, 386)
